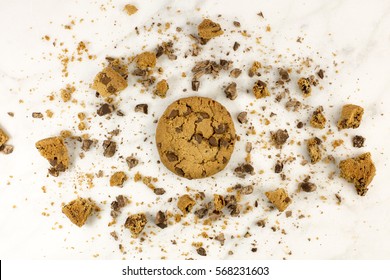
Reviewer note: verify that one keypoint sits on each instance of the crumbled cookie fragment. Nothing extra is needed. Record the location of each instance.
(278, 167)
(130, 9)
(105, 109)
(231, 91)
(66, 93)
(116, 206)
(260, 89)
(143, 108)
(3, 137)
(136, 223)
(159, 191)
(219, 202)
(185, 204)
(235, 73)
(244, 169)
(242, 117)
(254, 69)
(146, 60)
(167, 49)
(161, 88)
(161, 220)
(201, 251)
(359, 170)
(119, 66)
(307, 186)
(109, 148)
(236, 46)
(117, 179)
(78, 210)
(358, 141)
(56, 152)
(305, 86)
(245, 190)
(351, 116)
(132, 161)
(37, 115)
(279, 137)
(314, 149)
(6, 149)
(318, 119)
(283, 73)
(208, 29)
(221, 238)
(109, 82)
(279, 198)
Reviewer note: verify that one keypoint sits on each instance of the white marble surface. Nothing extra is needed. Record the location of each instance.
(349, 39)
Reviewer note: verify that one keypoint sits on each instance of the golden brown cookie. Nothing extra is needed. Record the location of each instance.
(195, 137)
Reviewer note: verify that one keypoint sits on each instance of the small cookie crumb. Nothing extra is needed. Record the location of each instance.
(146, 60)
(208, 29)
(109, 82)
(313, 147)
(185, 204)
(279, 198)
(78, 210)
(351, 116)
(305, 86)
(117, 179)
(318, 119)
(56, 152)
(358, 141)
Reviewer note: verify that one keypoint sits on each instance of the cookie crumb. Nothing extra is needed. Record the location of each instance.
(109, 82)
(185, 204)
(132, 161)
(313, 147)
(143, 108)
(260, 89)
(201, 251)
(109, 148)
(231, 91)
(105, 109)
(3, 137)
(242, 117)
(358, 141)
(161, 220)
(78, 210)
(318, 119)
(117, 179)
(279, 198)
(279, 137)
(136, 224)
(146, 60)
(351, 116)
(235, 73)
(307, 186)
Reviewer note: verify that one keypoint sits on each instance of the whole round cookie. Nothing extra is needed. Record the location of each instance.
(195, 137)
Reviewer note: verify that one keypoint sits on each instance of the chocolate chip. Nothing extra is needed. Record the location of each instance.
(320, 73)
(195, 85)
(242, 117)
(201, 251)
(248, 168)
(231, 91)
(132, 161)
(307, 186)
(204, 115)
(223, 142)
(104, 79)
(198, 138)
(105, 109)
(236, 24)
(300, 125)
(109, 148)
(159, 191)
(173, 114)
(221, 128)
(143, 108)
(161, 220)
(111, 89)
(188, 111)
(235, 73)
(284, 74)
(213, 142)
(87, 143)
(358, 141)
(236, 46)
(278, 167)
(171, 156)
(280, 137)
(179, 171)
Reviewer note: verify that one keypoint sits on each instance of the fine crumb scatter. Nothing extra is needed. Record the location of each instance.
(359, 170)
(260, 89)
(161, 88)
(358, 141)
(78, 210)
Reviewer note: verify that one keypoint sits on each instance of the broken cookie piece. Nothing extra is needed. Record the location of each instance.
(146, 60)
(136, 223)
(130, 9)
(279, 137)
(260, 89)
(219, 202)
(359, 170)
(117, 179)
(314, 149)
(208, 29)
(279, 198)
(78, 210)
(351, 116)
(185, 204)
(56, 152)
(318, 119)
(305, 86)
(3, 137)
(109, 82)
(161, 88)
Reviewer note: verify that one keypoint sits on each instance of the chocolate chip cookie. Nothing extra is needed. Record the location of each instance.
(195, 137)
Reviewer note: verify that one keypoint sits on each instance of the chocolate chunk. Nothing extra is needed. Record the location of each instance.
(161, 220)
(284, 74)
(202, 212)
(171, 156)
(136, 223)
(358, 141)
(6, 149)
(132, 161)
(195, 85)
(87, 143)
(236, 46)
(213, 142)
(105, 109)
(37, 115)
(280, 137)
(320, 73)
(179, 171)
(278, 167)
(159, 191)
(143, 108)
(223, 142)
(236, 24)
(109, 148)
(244, 169)
(221, 128)
(235, 73)
(201, 251)
(242, 117)
(307, 186)
(198, 138)
(231, 91)
(300, 125)
(173, 114)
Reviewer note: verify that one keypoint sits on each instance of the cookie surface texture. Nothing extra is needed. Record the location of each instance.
(195, 137)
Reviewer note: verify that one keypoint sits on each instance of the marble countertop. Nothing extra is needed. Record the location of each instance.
(348, 39)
